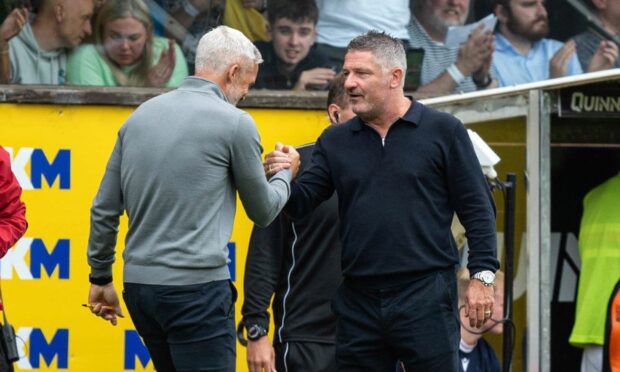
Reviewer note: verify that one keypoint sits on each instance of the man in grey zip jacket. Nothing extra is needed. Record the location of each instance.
(34, 51)
(177, 165)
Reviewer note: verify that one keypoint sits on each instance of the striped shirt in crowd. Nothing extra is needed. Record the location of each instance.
(437, 57)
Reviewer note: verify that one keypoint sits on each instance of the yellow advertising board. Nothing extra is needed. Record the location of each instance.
(59, 154)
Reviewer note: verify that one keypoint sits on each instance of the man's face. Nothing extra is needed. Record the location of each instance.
(241, 83)
(366, 83)
(75, 22)
(124, 40)
(528, 19)
(292, 40)
(445, 13)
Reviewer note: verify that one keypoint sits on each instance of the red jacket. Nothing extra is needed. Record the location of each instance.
(12, 210)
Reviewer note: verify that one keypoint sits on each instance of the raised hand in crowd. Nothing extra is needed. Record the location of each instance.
(475, 56)
(13, 24)
(160, 73)
(283, 157)
(558, 66)
(319, 77)
(261, 355)
(605, 56)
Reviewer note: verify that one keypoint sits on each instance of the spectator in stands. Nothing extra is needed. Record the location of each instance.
(588, 43)
(524, 55)
(475, 354)
(125, 52)
(450, 69)
(186, 21)
(291, 62)
(340, 21)
(34, 52)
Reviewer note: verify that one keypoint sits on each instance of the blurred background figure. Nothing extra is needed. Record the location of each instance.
(475, 353)
(298, 264)
(12, 210)
(523, 54)
(450, 69)
(342, 20)
(125, 51)
(12, 226)
(599, 250)
(33, 50)
(186, 21)
(247, 17)
(290, 60)
(589, 43)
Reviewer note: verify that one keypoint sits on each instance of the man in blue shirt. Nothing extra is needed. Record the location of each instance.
(524, 55)
(401, 170)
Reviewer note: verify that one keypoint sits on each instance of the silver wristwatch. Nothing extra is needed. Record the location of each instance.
(486, 277)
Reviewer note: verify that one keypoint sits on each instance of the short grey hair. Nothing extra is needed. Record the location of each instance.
(223, 46)
(389, 50)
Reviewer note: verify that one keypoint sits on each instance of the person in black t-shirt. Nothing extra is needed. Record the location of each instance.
(299, 264)
(290, 59)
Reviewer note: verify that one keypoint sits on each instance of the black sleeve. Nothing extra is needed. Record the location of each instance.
(313, 186)
(472, 200)
(262, 270)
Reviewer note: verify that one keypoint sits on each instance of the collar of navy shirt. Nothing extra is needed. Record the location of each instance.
(412, 116)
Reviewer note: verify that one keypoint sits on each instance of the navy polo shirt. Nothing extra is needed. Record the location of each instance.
(397, 198)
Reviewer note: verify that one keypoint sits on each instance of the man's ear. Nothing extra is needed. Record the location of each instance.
(333, 111)
(233, 72)
(269, 31)
(396, 77)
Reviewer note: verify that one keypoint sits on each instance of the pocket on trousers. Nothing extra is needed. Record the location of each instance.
(233, 299)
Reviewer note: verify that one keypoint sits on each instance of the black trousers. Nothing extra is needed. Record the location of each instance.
(305, 357)
(188, 327)
(416, 323)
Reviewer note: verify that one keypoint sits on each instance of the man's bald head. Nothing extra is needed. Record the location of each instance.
(71, 19)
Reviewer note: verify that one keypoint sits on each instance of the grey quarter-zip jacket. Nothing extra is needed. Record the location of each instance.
(177, 165)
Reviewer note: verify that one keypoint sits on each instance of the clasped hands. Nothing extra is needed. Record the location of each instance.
(283, 157)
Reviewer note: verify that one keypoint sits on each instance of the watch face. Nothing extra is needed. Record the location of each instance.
(255, 331)
(487, 277)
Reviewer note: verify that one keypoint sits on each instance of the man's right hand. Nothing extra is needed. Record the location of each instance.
(475, 53)
(261, 356)
(13, 24)
(558, 66)
(283, 157)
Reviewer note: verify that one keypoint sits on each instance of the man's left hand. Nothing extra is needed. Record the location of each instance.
(478, 303)
(104, 302)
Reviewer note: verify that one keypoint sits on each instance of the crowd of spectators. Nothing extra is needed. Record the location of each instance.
(152, 43)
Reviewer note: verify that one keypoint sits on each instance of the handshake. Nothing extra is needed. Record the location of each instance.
(283, 157)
